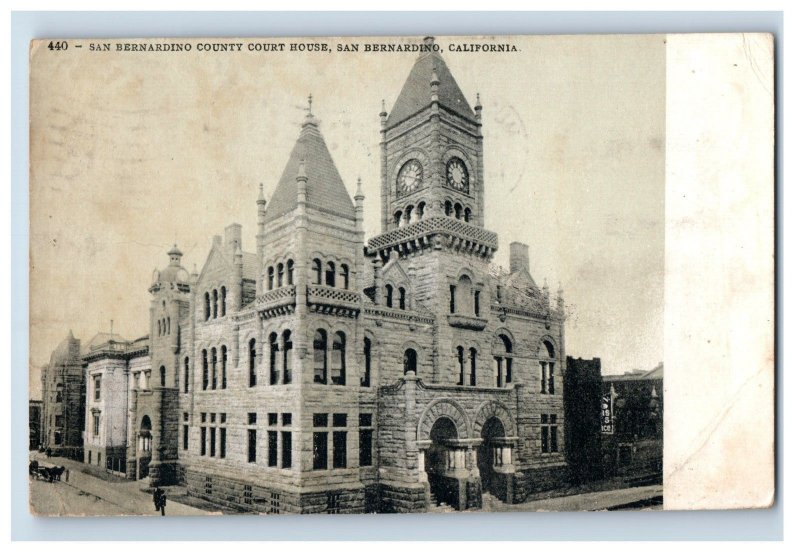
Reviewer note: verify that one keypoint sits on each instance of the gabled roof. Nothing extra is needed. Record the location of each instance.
(416, 92)
(325, 189)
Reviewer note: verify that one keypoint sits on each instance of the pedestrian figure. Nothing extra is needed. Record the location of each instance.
(49, 452)
(160, 500)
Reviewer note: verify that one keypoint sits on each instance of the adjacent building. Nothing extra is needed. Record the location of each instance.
(63, 400)
(34, 424)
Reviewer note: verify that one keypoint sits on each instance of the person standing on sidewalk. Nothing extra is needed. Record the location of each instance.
(160, 500)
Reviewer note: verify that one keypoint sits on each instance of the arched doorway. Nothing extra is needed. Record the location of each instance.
(144, 447)
(438, 460)
(488, 456)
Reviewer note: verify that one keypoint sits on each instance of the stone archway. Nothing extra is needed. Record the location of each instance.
(494, 426)
(439, 462)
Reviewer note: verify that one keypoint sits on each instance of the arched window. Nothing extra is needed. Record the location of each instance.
(503, 350)
(316, 266)
(215, 303)
(366, 373)
(467, 214)
(388, 295)
(457, 210)
(398, 218)
(163, 373)
(330, 275)
(410, 362)
(287, 356)
(473, 367)
(213, 368)
(338, 363)
(420, 210)
(223, 306)
(186, 375)
(224, 353)
(251, 359)
(320, 357)
(208, 306)
(464, 296)
(280, 274)
(407, 216)
(345, 276)
(401, 298)
(270, 278)
(448, 208)
(461, 365)
(290, 272)
(205, 369)
(274, 374)
(547, 363)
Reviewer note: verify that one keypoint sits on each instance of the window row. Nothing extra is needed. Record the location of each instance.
(329, 360)
(330, 433)
(163, 326)
(327, 274)
(208, 434)
(215, 368)
(401, 302)
(409, 215)
(273, 453)
(458, 211)
(276, 275)
(215, 303)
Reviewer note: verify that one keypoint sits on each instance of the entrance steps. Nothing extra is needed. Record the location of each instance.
(441, 508)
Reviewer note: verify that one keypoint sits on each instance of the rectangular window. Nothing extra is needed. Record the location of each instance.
(340, 420)
(272, 418)
(251, 445)
(544, 377)
(186, 375)
(202, 441)
(223, 437)
(97, 380)
(286, 449)
(320, 450)
(272, 448)
(339, 449)
(549, 433)
(96, 423)
(251, 418)
(185, 437)
(203, 417)
(320, 420)
(213, 447)
(286, 419)
(452, 299)
(551, 381)
(365, 440)
(477, 303)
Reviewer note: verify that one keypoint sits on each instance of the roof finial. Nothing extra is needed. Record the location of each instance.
(310, 101)
(260, 192)
(359, 192)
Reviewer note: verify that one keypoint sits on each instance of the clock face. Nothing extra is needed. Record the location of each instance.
(457, 176)
(410, 177)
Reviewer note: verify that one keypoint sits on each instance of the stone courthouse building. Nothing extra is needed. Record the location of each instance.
(326, 373)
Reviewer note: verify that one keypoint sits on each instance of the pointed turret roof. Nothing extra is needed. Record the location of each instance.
(416, 92)
(325, 190)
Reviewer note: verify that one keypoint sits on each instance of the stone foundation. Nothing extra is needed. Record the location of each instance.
(248, 497)
(403, 500)
(528, 483)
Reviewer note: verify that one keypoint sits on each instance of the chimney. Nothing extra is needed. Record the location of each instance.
(233, 236)
(518, 258)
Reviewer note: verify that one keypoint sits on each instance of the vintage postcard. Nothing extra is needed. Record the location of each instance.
(409, 274)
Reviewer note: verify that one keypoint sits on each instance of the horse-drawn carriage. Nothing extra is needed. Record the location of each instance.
(46, 472)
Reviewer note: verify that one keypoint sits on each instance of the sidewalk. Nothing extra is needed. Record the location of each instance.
(602, 500)
(93, 494)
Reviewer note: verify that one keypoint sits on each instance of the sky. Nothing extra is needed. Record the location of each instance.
(132, 152)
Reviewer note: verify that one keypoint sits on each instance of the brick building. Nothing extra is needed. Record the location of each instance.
(318, 374)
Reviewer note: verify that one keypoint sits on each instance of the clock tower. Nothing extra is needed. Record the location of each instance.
(431, 148)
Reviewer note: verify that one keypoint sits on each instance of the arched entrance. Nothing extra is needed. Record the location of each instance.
(144, 447)
(439, 461)
(490, 456)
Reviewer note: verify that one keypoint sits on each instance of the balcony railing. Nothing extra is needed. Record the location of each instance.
(332, 300)
(453, 231)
